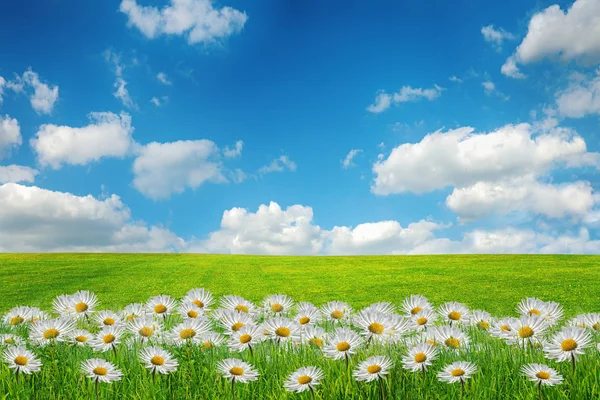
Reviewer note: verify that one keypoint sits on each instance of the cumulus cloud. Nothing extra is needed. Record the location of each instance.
(44, 96)
(573, 34)
(496, 36)
(163, 78)
(234, 152)
(580, 98)
(35, 219)
(197, 20)
(347, 162)
(510, 68)
(161, 169)
(10, 135)
(384, 100)
(107, 135)
(17, 173)
(279, 164)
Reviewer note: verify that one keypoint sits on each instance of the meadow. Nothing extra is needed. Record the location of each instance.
(488, 282)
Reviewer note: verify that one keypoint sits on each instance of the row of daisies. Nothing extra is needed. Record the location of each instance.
(165, 321)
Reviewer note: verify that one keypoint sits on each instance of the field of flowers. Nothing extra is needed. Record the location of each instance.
(204, 347)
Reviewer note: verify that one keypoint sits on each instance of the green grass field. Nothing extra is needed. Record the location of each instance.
(489, 282)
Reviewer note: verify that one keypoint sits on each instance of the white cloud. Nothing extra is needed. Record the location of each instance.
(460, 158)
(10, 135)
(496, 36)
(2, 84)
(483, 199)
(44, 96)
(490, 89)
(580, 98)
(347, 162)
(162, 169)
(123, 94)
(234, 152)
(197, 20)
(570, 35)
(278, 165)
(509, 68)
(17, 173)
(35, 219)
(384, 100)
(163, 78)
(107, 135)
(456, 79)
(159, 102)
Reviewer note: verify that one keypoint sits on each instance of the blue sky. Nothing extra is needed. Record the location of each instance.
(298, 87)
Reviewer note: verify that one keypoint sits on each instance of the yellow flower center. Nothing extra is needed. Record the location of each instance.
(192, 314)
(304, 379)
(81, 339)
(421, 321)
(282, 331)
(207, 345)
(51, 333)
(237, 326)
(81, 307)
(343, 346)
(237, 371)
(483, 325)
(109, 338)
(8, 340)
(416, 310)
(241, 308)
(454, 315)
(198, 303)
(16, 320)
(535, 311)
(157, 360)
(505, 328)
(543, 375)
(525, 332)
(452, 343)
(316, 342)
(160, 309)
(337, 314)
(245, 338)
(568, 345)
(146, 331)
(277, 307)
(20, 360)
(131, 317)
(457, 372)
(596, 326)
(431, 342)
(304, 320)
(420, 357)
(108, 321)
(373, 369)
(100, 371)
(187, 333)
(376, 328)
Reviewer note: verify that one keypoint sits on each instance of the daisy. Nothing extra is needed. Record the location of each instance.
(452, 337)
(233, 321)
(199, 297)
(21, 360)
(481, 319)
(415, 304)
(108, 338)
(342, 344)
(107, 318)
(314, 336)
(458, 371)
(399, 324)
(423, 319)
(237, 303)
(81, 337)
(568, 344)
(161, 305)
(9, 339)
(528, 329)
(52, 330)
(578, 321)
(100, 370)
(373, 325)
(17, 316)
(419, 357)
(83, 303)
(532, 306)
(35, 315)
(63, 305)
(336, 311)
(190, 310)
(372, 368)
(282, 329)
(454, 313)
(245, 338)
(236, 370)
(542, 375)
(304, 378)
(307, 314)
(592, 321)
(502, 328)
(144, 328)
(189, 331)
(211, 339)
(158, 360)
(133, 311)
(554, 312)
(277, 304)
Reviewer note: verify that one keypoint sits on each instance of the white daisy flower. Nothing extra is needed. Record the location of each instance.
(458, 371)
(532, 306)
(211, 339)
(245, 338)
(283, 330)
(503, 328)
(144, 328)
(592, 321)
(423, 319)
(17, 316)
(277, 304)
(304, 378)
(108, 338)
(35, 315)
(528, 328)
(307, 314)
(419, 357)
(83, 303)
(542, 375)
(189, 331)
(190, 310)
(107, 318)
(314, 336)
(133, 311)
(554, 312)
(233, 321)
(161, 305)
(578, 321)
(373, 368)
(481, 319)
(10, 339)
(373, 325)
(454, 313)
(199, 297)
(100, 370)
(239, 304)
(336, 311)
(236, 370)
(416, 304)
(52, 330)
(399, 325)
(452, 337)
(21, 360)
(81, 337)
(343, 343)
(63, 305)
(158, 360)
(568, 344)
